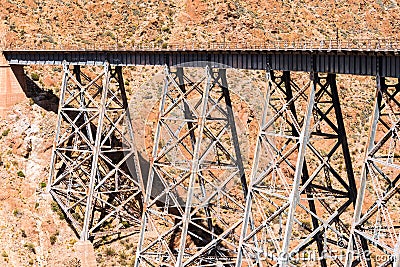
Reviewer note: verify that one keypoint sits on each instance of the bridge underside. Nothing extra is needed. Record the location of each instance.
(198, 206)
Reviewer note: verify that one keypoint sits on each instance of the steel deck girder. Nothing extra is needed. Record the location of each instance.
(386, 63)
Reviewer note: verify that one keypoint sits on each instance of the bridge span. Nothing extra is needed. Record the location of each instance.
(385, 62)
(300, 204)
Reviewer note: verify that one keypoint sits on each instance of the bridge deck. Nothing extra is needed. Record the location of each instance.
(371, 62)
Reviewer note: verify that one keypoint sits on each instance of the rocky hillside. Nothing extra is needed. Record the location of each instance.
(85, 23)
(33, 232)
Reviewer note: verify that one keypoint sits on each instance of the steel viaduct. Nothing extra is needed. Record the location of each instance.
(295, 206)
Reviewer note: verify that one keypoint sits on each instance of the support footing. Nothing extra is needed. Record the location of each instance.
(85, 253)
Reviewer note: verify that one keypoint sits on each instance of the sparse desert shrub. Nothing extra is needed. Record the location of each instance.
(110, 252)
(35, 76)
(53, 239)
(123, 256)
(17, 213)
(110, 34)
(166, 29)
(125, 224)
(57, 209)
(5, 132)
(75, 262)
(20, 174)
(30, 247)
(129, 245)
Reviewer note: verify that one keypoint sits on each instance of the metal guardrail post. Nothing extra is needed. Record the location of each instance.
(383, 45)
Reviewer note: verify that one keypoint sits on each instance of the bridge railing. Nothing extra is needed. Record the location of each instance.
(321, 45)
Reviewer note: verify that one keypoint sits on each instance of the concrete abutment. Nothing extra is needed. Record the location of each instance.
(12, 85)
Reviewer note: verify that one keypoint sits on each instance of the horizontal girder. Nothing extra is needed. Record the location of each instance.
(356, 62)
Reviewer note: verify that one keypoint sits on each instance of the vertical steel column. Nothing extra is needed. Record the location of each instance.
(305, 176)
(95, 174)
(294, 197)
(188, 116)
(186, 218)
(375, 232)
(193, 190)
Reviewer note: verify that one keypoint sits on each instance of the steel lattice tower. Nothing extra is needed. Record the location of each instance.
(298, 198)
(93, 154)
(375, 234)
(194, 200)
(300, 205)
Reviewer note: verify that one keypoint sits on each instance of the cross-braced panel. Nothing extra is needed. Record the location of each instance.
(195, 194)
(94, 153)
(299, 197)
(376, 240)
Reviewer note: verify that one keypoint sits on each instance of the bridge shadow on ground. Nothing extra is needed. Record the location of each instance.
(198, 236)
(45, 99)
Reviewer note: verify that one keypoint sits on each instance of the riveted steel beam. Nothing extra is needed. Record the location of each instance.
(355, 61)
